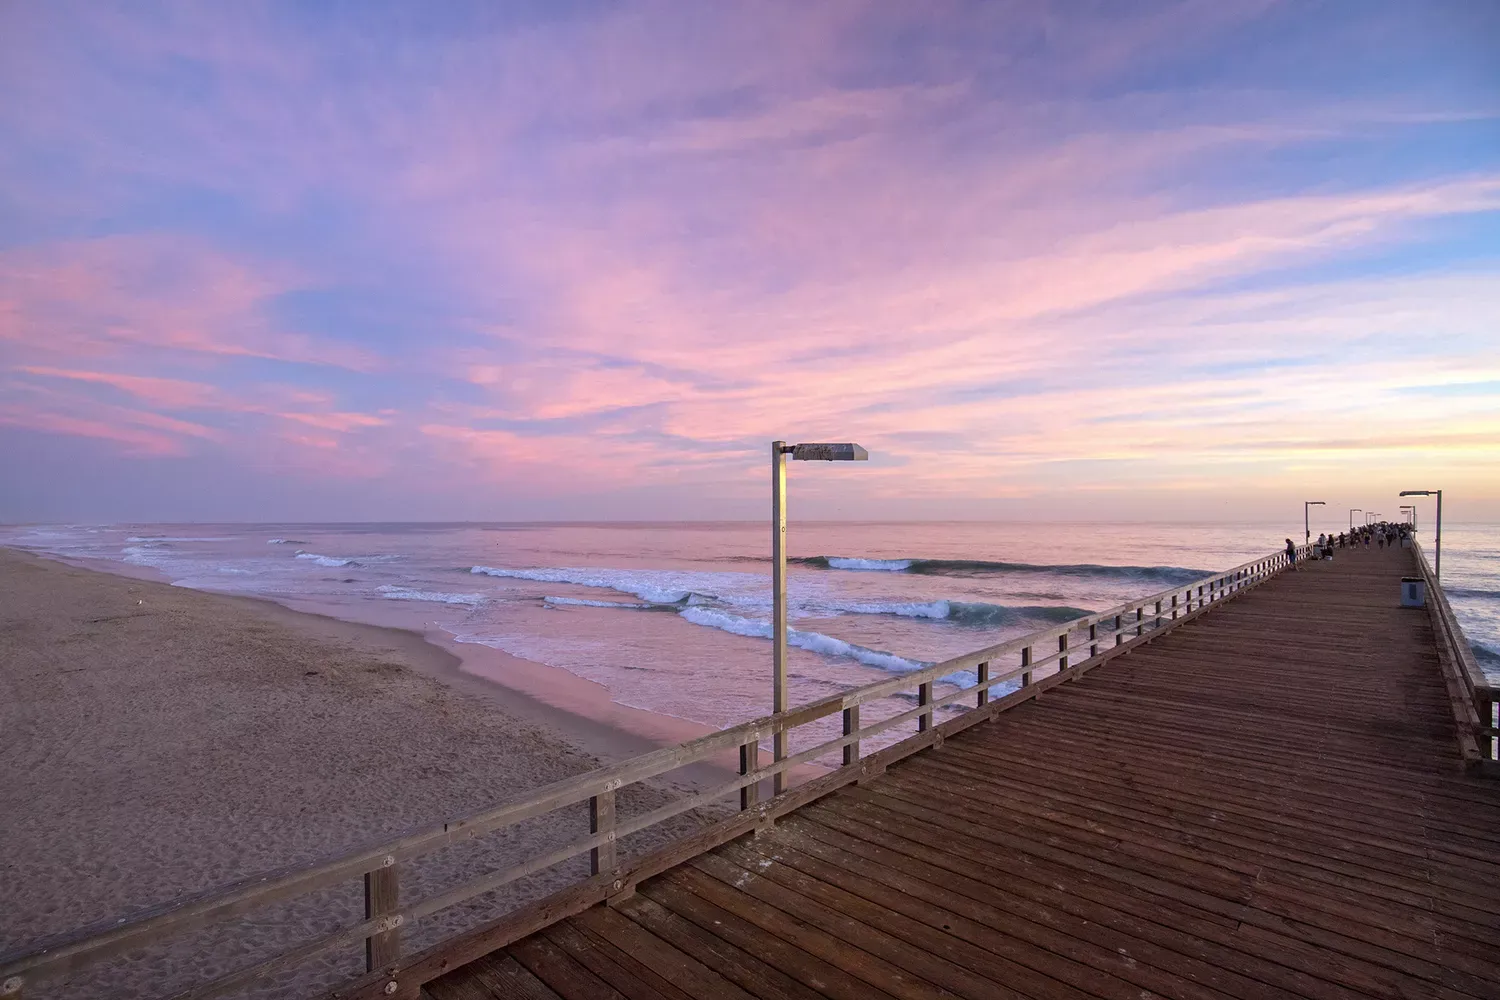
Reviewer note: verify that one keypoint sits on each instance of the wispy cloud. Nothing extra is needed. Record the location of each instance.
(605, 254)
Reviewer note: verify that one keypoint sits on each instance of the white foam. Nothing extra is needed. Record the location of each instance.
(145, 555)
(324, 560)
(434, 596)
(906, 609)
(176, 538)
(580, 602)
(814, 642)
(874, 565)
(655, 586)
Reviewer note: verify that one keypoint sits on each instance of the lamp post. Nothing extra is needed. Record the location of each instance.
(1306, 524)
(801, 453)
(1437, 534)
(1352, 511)
(1370, 517)
(1410, 510)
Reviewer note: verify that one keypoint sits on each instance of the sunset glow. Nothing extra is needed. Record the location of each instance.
(584, 260)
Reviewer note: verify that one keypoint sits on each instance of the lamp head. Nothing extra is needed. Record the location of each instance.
(1416, 493)
(845, 452)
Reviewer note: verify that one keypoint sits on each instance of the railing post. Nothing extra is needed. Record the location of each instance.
(983, 674)
(602, 820)
(1200, 595)
(1118, 623)
(1026, 662)
(1094, 640)
(1174, 607)
(851, 726)
(749, 764)
(924, 697)
(1488, 720)
(382, 897)
(1139, 617)
(1062, 649)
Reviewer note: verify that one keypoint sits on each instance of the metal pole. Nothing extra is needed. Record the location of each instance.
(1306, 528)
(1437, 540)
(778, 601)
(1351, 516)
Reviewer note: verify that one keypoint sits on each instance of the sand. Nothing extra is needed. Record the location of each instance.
(159, 741)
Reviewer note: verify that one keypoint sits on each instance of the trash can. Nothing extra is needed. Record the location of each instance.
(1413, 592)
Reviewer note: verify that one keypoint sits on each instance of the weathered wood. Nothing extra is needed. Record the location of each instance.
(602, 821)
(382, 898)
(749, 764)
(982, 674)
(851, 726)
(1026, 663)
(1212, 820)
(924, 698)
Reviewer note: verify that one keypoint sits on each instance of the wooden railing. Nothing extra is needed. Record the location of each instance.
(1029, 664)
(1474, 699)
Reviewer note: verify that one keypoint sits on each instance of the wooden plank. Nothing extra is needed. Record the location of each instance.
(621, 970)
(752, 974)
(562, 974)
(689, 976)
(382, 897)
(492, 978)
(877, 971)
(602, 821)
(851, 726)
(791, 961)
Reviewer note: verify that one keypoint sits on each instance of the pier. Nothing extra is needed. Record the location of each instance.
(1266, 784)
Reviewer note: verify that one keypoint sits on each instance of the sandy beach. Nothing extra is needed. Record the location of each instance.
(162, 741)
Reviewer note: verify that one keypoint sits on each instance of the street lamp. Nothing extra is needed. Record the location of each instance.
(801, 453)
(1351, 515)
(1437, 535)
(1306, 525)
(1410, 510)
(1370, 517)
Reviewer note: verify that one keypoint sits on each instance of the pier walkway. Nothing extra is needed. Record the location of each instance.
(1267, 802)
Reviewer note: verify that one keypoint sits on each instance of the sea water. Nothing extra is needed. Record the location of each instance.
(674, 618)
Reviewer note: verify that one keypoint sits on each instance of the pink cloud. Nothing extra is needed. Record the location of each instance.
(166, 392)
(113, 296)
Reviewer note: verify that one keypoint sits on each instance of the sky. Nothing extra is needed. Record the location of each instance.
(554, 260)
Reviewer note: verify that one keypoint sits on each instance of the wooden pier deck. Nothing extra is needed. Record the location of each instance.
(1263, 803)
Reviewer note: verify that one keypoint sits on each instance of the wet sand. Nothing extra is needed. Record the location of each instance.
(161, 741)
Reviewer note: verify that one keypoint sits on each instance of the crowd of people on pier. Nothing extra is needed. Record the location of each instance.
(1377, 535)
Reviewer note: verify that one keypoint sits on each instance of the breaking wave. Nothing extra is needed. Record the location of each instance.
(285, 541)
(652, 587)
(978, 567)
(434, 596)
(967, 612)
(580, 602)
(814, 642)
(326, 560)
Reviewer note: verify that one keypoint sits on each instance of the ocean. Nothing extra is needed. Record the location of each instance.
(673, 618)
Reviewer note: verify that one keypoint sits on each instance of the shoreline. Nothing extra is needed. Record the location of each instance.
(573, 709)
(162, 742)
